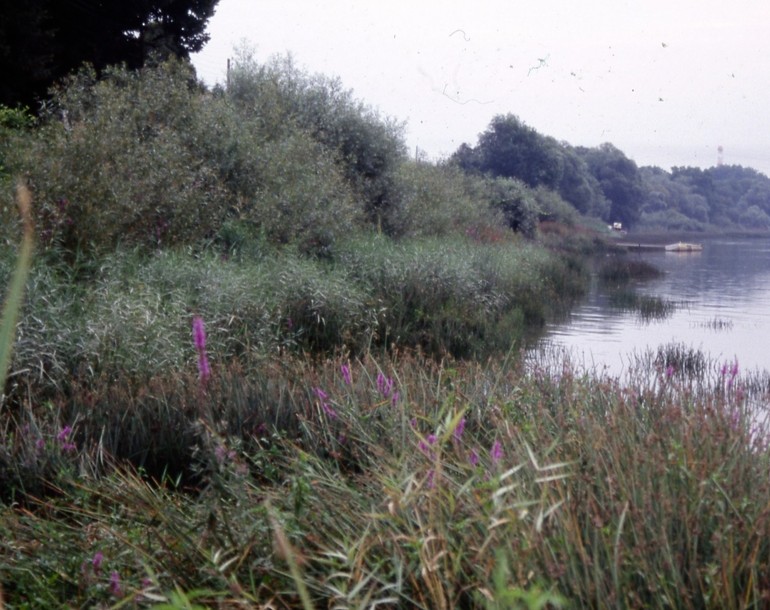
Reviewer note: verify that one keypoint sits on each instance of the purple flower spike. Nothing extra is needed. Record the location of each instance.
(64, 434)
(199, 338)
(97, 561)
(459, 429)
(199, 333)
(497, 452)
(204, 369)
(473, 458)
(346, 374)
(115, 587)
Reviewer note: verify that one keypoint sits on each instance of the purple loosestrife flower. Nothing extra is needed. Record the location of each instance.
(497, 452)
(459, 429)
(425, 445)
(97, 560)
(199, 338)
(64, 434)
(473, 458)
(199, 333)
(323, 399)
(670, 371)
(384, 385)
(64, 439)
(394, 399)
(345, 368)
(115, 587)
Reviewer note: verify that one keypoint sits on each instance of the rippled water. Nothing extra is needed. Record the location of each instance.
(723, 309)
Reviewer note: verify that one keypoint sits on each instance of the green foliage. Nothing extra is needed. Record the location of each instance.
(145, 158)
(511, 149)
(619, 179)
(693, 199)
(434, 200)
(118, 168)
(517, 204)
(14, 123)
(368, 149)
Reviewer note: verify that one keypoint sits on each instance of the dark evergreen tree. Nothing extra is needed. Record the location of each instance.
(43, 40)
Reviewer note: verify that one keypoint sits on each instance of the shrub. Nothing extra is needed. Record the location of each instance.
(434, 200)
(110, 165)
(368, 149)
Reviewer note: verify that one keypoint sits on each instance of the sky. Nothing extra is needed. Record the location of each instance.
(666, 81)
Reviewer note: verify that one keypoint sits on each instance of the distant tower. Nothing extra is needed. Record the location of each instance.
(720, 159)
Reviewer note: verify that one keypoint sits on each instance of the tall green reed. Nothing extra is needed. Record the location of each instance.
(13, 299)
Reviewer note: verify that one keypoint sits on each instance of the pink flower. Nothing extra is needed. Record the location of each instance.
(384, 384)
(459, 429)
(323, 399)
(497, 452)
(204, 369)
(199, 338)
(473, 458)
(425, 445)
(64, 434)
(199, 333)
(346, 374)
(115, 587)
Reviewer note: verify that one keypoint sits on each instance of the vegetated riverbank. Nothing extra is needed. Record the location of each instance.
(266, 361)
(274, 466)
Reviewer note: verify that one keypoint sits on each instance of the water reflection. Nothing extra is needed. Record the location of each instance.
(722, 298)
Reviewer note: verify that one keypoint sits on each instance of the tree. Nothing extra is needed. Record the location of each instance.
(511, 149)
(42, 41)
(619, 179)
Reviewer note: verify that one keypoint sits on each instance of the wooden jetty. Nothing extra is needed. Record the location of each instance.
(677, 247)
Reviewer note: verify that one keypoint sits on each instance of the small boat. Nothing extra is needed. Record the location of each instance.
(684, 247)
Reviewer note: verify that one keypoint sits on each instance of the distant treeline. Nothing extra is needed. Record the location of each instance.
(602, 182)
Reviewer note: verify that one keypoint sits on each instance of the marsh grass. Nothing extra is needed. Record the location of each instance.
(717, 324)
(557, 485)
(619, 270)
(649, 307)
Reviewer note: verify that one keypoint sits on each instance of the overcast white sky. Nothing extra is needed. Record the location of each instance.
(666, 81)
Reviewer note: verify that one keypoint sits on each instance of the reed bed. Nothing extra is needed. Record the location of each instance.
(400, 482)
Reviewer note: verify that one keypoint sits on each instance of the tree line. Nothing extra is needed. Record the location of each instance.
(602, 182)
(528, 175)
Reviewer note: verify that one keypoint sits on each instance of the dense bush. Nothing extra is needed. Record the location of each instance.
(368, 149)
(147, 158)
(111, 164)
(432, 200)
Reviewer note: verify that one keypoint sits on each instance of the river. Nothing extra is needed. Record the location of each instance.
(722, 308)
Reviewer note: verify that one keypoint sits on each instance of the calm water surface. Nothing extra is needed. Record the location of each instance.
(723, 297)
